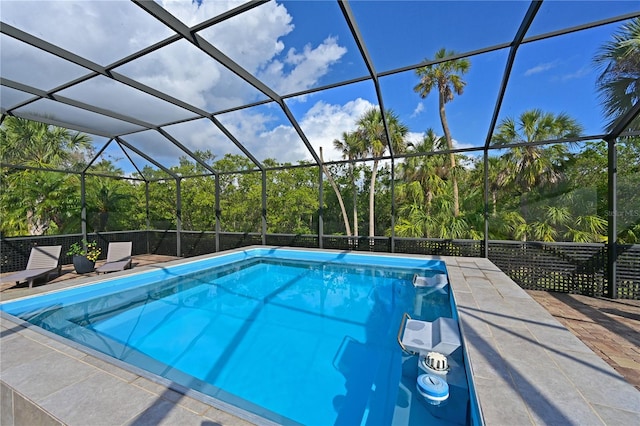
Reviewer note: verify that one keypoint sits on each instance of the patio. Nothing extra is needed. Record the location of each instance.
(186, 163)
(610, 328)
(527, 367)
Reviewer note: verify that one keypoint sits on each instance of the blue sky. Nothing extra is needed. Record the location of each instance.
(556, 75)
(296, 45)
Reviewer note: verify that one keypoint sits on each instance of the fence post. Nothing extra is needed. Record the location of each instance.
(612, 213)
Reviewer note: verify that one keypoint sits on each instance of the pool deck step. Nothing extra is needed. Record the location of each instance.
(527, 368)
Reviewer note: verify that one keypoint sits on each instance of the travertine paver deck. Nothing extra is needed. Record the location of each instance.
(527, 368)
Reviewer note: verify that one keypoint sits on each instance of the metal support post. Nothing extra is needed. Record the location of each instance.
(178, 217)
(612, 241)
(218, 212)
(264, 207)
(83, 206)
(485, 249)
(320, 208)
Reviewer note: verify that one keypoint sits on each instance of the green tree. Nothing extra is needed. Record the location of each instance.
(336, 190)
(422, 179)
(619, 81)
(162, 198)
(372, 134)
(447, 78)
(628, 194)
(499, 178)
(111, 202)
(34, 201)
(292, 200)
(428, 171)
(533, 165)
(533, 174)
(587, 173)
(351, 148)
(240, 194)
(333, 214)
(35, 144)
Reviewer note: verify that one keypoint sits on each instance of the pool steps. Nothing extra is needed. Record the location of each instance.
(441, 335)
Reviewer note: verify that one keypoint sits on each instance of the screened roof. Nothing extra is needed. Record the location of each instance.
(154, 81)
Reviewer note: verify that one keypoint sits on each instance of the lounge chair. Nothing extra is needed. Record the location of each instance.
(43, 260)
(118, 257)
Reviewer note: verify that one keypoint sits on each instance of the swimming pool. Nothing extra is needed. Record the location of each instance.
(294, 336)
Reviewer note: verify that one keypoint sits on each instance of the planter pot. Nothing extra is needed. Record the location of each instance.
(83, 265)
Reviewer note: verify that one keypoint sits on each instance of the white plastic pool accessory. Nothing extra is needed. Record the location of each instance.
(422, 337)
(438, 280)
(436, 363)
(433, 389)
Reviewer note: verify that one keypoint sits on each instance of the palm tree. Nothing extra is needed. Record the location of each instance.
(42, 195)
(531, 165)
(351, 148)
(106, 196)
(371, 132)
(499, 177)
(421, 179)
(619, 82)
(428, 171)
(36, 144)
(337, 191)
(446, 76)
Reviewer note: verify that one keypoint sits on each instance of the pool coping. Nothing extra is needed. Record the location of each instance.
(527, 367)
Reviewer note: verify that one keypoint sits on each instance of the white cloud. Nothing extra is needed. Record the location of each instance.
(252, 39)
(577, 74)
(461, 145)
(323, 123)
(203, 135)
(177, 71)
(540, 68)
(194, 12)
(308, 67)
(419, 108)
(101, 31)
(261, 40)
(414, 137)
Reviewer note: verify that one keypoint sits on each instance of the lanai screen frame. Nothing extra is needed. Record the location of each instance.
(190, 34)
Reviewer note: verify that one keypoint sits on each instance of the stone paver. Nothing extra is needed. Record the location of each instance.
(529, 367)
(610, 328)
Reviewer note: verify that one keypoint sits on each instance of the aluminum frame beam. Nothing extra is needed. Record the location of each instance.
(106, 72)
(191, 36)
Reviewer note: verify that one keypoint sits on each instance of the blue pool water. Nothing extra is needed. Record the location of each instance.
(293, 336)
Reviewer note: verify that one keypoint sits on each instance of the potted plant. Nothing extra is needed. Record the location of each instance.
(84, 255)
